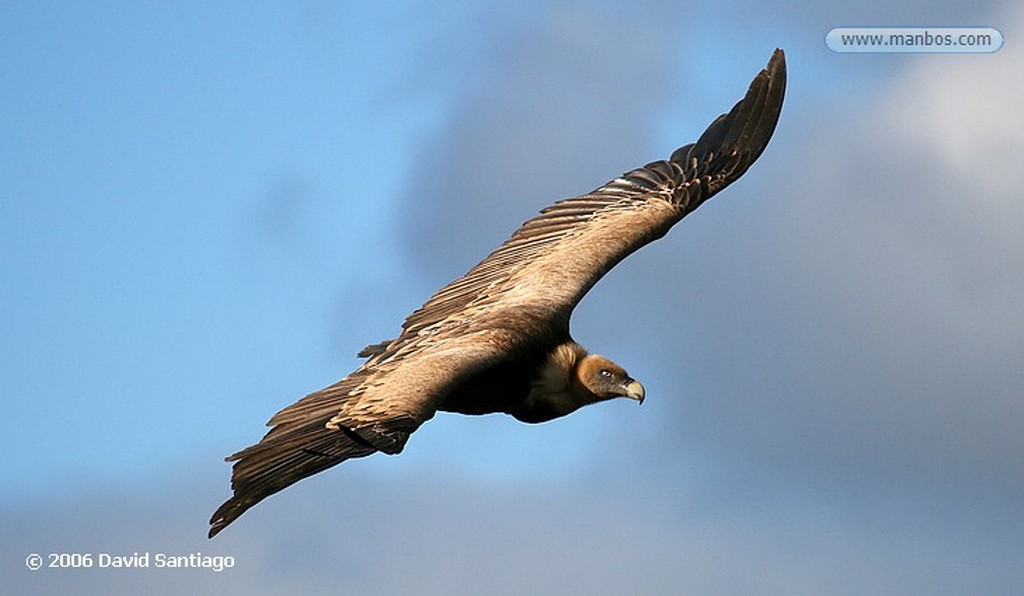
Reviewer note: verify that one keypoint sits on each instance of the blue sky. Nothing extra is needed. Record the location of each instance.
(207, 210)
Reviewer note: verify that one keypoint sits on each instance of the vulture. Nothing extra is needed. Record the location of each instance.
(497, 339)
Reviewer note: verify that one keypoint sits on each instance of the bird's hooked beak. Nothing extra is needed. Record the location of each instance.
(634, 390)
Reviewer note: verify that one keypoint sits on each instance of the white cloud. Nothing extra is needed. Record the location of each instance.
(871, 312)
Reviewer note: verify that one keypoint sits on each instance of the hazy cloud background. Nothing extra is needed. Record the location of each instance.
(207, 212)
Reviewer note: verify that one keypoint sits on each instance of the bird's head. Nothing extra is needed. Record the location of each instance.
(570, 379)
(606, 380)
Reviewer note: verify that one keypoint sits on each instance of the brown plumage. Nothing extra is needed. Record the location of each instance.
(497, 339)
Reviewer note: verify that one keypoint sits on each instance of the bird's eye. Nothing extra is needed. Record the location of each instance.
(606, 373)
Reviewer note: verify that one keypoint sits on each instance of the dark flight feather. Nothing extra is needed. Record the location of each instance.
(479, 343)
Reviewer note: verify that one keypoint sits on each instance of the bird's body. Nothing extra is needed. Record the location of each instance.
(497, 339)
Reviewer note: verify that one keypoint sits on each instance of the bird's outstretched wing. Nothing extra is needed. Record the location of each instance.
(556, 257)
(517, 298)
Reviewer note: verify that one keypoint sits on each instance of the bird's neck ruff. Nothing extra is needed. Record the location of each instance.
(555, 390)
(557, 374)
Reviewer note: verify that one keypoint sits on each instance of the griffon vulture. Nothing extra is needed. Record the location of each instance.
(497, 339)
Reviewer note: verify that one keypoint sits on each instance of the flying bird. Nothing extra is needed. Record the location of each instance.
(497, 339)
